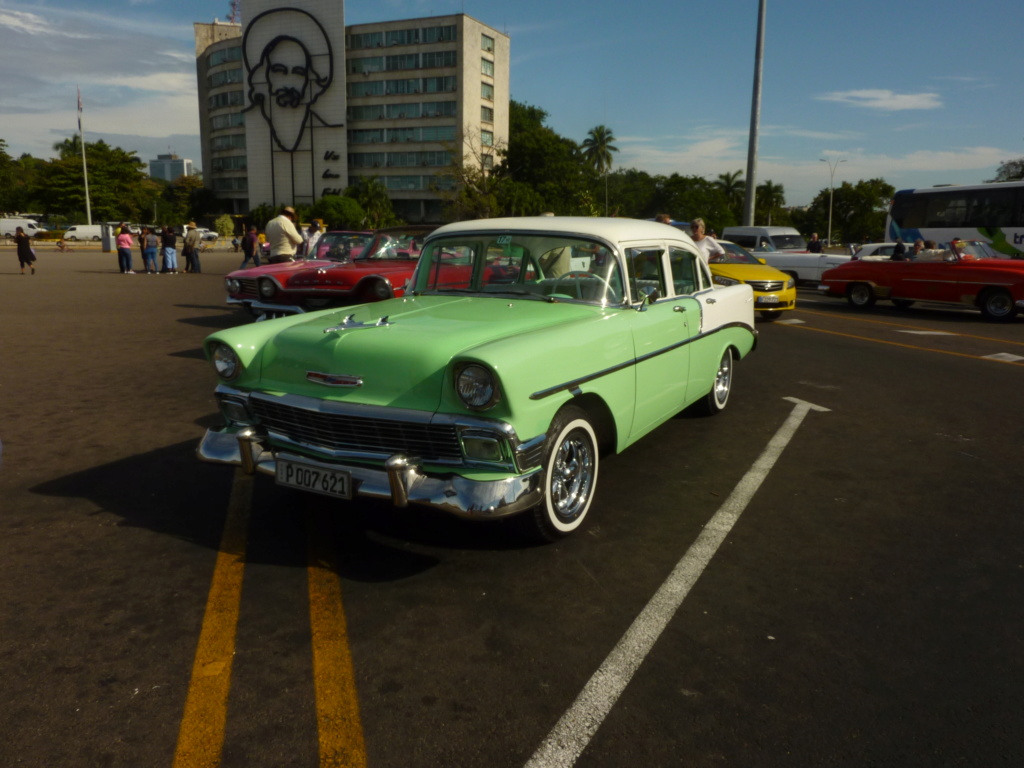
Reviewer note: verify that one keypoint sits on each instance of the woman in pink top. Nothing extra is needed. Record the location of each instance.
(125, 241)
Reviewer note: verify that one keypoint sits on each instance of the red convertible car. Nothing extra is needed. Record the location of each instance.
(378, 270)
(973, 275)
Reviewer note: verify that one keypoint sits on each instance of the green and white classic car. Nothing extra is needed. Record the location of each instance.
(522, 351)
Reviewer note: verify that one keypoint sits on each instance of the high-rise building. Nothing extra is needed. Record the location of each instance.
(169, 167)
(294, 105)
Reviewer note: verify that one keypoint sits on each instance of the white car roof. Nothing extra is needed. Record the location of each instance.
(611, 229)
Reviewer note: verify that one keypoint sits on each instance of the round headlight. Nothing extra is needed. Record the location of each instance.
(232, 285)
(475, 386)
(267, 288)
(225, 362)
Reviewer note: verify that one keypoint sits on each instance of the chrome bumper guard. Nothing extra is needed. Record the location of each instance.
(402, 481)
(266, 311)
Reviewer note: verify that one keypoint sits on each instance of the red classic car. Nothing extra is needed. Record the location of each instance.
(972, 275)
(378, 270)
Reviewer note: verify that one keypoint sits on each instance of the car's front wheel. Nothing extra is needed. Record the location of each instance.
(860, 295)
(997, 304)
(570, 474)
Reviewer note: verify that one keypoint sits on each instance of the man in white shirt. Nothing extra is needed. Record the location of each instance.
(707, 246)
(283, 237)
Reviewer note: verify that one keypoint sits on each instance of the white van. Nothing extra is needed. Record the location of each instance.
(9, 226)
(759, 239)
(83, 232)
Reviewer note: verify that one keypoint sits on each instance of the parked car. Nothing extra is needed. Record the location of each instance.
(875, 251)
(493, 387)
(84, 232)
(376, 271)
(980, 277)
(802, 266)
(757, 239)
(774, 291)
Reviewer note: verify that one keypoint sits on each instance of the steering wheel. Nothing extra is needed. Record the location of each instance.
(576, 277)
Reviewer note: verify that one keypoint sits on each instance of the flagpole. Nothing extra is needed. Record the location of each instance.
(85, 169)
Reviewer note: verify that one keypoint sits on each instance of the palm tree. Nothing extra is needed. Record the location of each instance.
(771, 196)
(733, 188)
(597, 151)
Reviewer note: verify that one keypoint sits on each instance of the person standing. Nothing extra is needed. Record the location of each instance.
(312, 238)
(26, 256)
(168, 241)
(707, 246)
(283, 237)
(814, 244)
(150, 243)
(125, 243)
(250, 248)
(190, 249)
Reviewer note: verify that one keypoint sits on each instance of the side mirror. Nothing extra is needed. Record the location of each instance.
(763, 261)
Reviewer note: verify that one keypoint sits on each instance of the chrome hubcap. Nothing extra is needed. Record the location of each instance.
(572, 476)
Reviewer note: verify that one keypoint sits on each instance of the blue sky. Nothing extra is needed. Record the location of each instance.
(918, 93)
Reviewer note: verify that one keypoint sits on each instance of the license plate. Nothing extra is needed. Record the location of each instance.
(306, 477)
(767, 299)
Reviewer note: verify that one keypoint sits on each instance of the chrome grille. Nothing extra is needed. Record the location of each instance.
(248, 288)
(342, 432)
(766, 285)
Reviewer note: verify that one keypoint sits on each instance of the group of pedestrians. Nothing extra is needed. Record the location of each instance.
(159, 241)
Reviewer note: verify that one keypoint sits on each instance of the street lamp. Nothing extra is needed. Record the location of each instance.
(831, 185)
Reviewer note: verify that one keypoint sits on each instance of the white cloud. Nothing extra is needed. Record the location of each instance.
(884, 99)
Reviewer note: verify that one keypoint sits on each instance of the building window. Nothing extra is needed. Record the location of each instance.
(487, 114)
(439, 59)
(237, 163)
(367, 40)
(228, 99)
(440, 34)
(368, 112)
(225, 55)
(439, 84)
(227, 121)
(405, 61)
(225, 77)
(487, 43)
(367, 88)
(366, 65)
(440, 109)
(230, 141)
(487, 138)
(375, 136)
(487, 91)
(487, 67)
(403, 110)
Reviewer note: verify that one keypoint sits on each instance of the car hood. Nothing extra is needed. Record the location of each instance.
(284, 266)
(351, 272)
(396, 352)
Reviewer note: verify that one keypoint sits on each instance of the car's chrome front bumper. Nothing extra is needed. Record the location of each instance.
(402, 480)
(263, 311)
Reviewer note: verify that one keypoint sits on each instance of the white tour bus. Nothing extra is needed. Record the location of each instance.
(993, 213)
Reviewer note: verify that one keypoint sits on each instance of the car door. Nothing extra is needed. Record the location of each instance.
(662, 325)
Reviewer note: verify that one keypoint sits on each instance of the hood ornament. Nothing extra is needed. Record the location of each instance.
(350, 322)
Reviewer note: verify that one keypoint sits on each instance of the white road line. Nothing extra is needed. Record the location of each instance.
(1004, 357)
(929, 333)
(573, 732)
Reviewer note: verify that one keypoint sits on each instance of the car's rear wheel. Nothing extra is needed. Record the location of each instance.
(860, 295)
(570, 475)
(95, 239)
(714, 402)
(997, 304)
(903, 303)
(73, 239)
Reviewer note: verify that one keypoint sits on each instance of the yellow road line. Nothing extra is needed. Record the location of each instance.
(912, 327)
(905, 346)
(201, 736)
(337, 702)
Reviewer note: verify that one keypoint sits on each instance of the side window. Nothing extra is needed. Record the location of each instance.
(685, 271)
(645, 273)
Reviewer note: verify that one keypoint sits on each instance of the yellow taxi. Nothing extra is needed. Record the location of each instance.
(774, 291)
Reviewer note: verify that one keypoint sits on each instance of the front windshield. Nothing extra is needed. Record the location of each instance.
(791, 242)
(338, 246)
(543, 266)
(734, 254)
(981, 250)
(395, 245)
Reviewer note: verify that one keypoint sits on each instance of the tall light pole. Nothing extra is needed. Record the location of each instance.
(755, 118)
(831, 185)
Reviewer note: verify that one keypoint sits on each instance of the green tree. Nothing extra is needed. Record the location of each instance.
(770, 198)
(858, 211)
(372, 195)
(597, 152)
(224, 225)
(339, 212)
(733, 188)
(1010, 170)
(540, 158)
